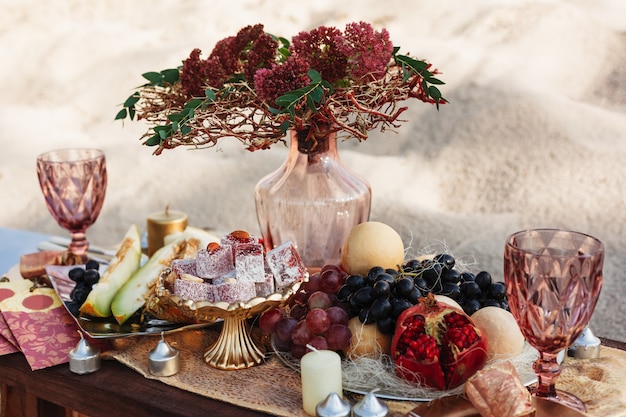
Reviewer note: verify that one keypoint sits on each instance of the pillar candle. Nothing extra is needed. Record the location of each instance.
(161, 224)
(321, 375)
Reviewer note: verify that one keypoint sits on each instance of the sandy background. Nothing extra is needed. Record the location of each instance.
(534, 136)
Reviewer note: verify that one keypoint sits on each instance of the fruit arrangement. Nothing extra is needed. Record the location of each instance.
(417, 312)
(315, 317)
(85, 278)
(122, 289)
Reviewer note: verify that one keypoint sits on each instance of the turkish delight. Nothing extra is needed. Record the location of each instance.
(214, 263)
(249, 262)
(267, 287)
(236, 238)
(231, 290)
(189, 287)
(285, 264)
(184, 266)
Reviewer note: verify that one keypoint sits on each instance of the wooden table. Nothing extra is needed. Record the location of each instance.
(113, 391)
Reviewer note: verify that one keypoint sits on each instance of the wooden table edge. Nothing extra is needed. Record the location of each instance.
(113, 391)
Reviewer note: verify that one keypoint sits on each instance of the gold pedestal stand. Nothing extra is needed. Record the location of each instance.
(235, 348)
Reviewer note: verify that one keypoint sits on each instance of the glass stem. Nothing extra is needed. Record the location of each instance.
(79, 244)
(547, 369)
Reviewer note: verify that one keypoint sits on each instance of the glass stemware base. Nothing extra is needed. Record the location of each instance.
(548, 369)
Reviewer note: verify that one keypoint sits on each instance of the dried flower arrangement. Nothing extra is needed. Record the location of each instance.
(255, 86)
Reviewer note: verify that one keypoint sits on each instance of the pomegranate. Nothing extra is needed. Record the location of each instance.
(437, 345)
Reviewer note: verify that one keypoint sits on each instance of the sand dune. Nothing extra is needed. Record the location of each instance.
(534, 135)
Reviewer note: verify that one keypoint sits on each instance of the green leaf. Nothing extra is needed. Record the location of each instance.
(315, 76)
(433, 80)
(317, 94)
(174, 126)
(121, 114)
(284, 54)
(175, 117)
(171, 75)
(130, 101)
(185, 129)
(284, 126)
(434, 92)
(417, 65)
(210, 94)
(310, 103)
(193, 103)
(153, 77)
(153, 140)
(328, 86)
(162, 134)
(131, 112)
(287, 99)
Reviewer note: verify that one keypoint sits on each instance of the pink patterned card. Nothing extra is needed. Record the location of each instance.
(42, 327)
(8, 344)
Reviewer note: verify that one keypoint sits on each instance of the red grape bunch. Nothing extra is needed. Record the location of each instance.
(315, 317)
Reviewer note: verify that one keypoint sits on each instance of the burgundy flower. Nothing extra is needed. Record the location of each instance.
(271, 83)
(262, 55)
(323, 50)
(248, 35)
(369, 51)
(193, 74)
(226, 53)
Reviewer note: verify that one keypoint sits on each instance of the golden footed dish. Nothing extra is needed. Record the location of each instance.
(235, 348)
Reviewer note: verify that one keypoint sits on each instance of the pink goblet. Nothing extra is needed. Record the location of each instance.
(553, 280)
(74, 183)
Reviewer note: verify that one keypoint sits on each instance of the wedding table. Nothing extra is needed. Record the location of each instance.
(120, 389)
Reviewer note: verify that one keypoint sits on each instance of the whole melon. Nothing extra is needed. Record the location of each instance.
(371, 244)
(367, 340)
(504, 337)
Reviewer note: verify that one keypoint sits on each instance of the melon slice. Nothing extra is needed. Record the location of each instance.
(123, 265)
(141, 285)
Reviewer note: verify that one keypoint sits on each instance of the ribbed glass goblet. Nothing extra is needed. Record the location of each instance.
(73, 182)
(553, 280)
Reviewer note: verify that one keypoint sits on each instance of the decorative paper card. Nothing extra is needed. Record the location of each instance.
(8, 344)
(41, 325)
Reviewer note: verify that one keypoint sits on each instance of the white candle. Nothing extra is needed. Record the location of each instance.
(321, 375)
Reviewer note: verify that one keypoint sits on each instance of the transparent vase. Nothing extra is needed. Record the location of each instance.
(313, 200)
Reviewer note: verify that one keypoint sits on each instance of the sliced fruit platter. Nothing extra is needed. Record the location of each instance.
(195, 279)
(412, 329)
(108, 301)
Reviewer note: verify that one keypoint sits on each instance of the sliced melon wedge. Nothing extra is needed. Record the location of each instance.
(123, 265)
(134, 294)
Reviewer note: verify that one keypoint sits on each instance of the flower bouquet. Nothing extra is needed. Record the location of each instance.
(255, 87)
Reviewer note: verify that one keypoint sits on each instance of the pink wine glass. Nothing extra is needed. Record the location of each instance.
(74, 183)
(553, 280)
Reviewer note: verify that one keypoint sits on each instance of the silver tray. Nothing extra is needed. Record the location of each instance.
(402, 390)
(103, 328)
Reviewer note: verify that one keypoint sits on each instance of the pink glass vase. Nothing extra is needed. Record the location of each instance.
(312, 200)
